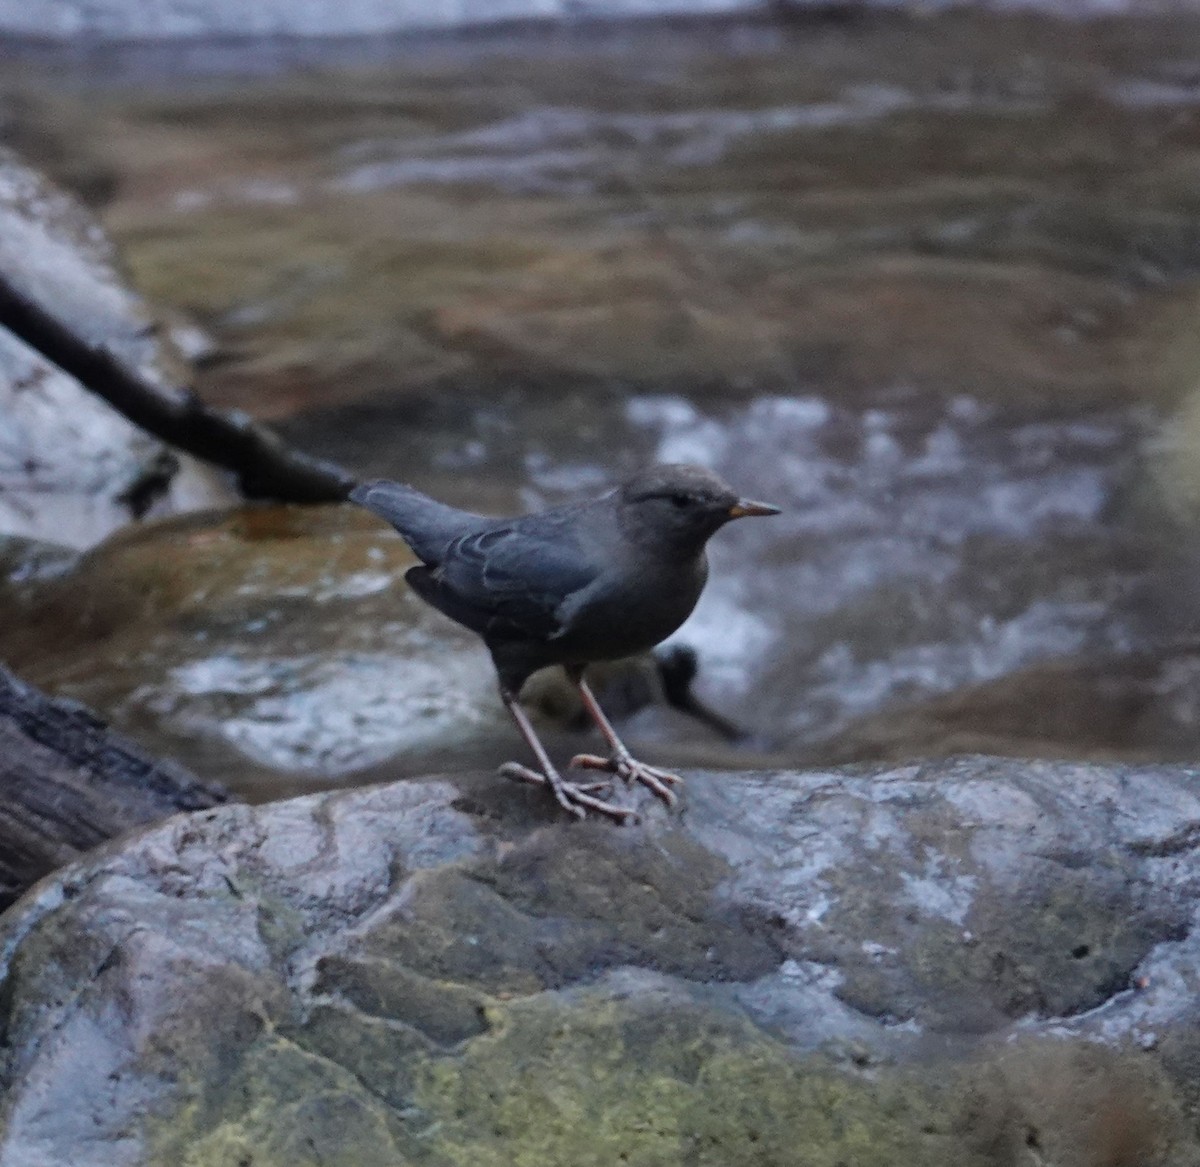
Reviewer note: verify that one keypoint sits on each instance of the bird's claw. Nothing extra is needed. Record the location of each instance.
(576, 798)
(631, 770)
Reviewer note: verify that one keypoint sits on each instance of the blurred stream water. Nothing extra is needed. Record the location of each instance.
(908, 279)
(927, 542)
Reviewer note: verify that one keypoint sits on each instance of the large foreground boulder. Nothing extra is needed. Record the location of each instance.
(966, 963)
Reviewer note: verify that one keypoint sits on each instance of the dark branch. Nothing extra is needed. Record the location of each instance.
(264, 465)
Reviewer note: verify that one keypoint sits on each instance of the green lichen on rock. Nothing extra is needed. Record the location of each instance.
(639, 1076)
(1059, 951)
(444, 1012)
(1063, 944)
(650, 906)
(281, 1107)
(601, 1080)
(384, 1055)
(280, 924)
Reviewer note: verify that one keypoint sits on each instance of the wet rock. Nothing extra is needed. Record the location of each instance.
(947, 964)
(273, 648)
(264, 642)
(71, 468)
(26, 563)
(55, 252)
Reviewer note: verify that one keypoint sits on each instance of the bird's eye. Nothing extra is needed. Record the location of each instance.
(680, 500)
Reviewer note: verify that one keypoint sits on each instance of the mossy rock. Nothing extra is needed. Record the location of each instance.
(597, 1080)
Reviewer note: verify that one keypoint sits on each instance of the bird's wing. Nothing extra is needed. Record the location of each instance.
(522, 579)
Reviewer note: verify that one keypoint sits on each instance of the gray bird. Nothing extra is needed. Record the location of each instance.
(589, 581)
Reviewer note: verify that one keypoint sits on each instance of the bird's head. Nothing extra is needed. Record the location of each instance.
(681, 506)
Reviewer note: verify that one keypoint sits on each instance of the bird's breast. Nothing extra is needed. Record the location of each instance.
(647, 605)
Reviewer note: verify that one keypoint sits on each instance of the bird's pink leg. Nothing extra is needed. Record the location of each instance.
(574, 797)
(621, 762)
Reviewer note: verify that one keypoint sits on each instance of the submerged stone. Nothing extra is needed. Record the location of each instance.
(267, 640)
(277, 647)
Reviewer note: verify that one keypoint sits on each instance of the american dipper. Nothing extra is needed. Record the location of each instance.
(589, 581)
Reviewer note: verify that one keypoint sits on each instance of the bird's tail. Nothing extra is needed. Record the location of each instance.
(426, 525)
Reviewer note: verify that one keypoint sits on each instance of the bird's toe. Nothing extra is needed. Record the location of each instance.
(578, 795)
(662, 775)
(577, 798)
(518, 773)
(656, 781)
(659, 782)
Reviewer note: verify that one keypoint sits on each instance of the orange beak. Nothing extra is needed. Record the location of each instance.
(743, 508)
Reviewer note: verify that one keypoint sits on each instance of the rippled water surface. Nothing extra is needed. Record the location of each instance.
(927, 542)
(927, 545)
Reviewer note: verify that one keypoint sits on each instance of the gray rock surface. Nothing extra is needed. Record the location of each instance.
(72, 469)
(970, 962)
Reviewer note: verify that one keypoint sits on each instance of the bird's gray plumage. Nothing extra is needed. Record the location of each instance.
(589, 581)
(426, 525)
(581, 582)
(510, 579)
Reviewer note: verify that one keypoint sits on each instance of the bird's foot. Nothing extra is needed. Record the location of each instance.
(576, 798)
(631, 770)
